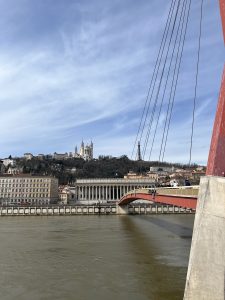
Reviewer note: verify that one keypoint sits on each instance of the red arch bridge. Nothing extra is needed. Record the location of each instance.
(185, 197)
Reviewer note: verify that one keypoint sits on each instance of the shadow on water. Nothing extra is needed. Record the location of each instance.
(176, 229)
(158, 280)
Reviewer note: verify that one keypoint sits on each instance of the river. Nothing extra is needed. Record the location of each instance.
(94, 257)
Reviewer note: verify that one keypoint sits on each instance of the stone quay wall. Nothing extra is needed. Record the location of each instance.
(90, 210)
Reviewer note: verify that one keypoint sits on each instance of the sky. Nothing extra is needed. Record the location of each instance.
(80, 69)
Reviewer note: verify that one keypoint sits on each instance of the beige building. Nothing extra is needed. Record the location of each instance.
(59, 156)
(148, 175)
(14, 170)
(66, 195)
(28, 189)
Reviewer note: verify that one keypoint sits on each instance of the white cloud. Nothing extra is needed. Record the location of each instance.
(89, 66)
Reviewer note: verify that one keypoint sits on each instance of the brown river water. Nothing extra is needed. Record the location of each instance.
(94, 257)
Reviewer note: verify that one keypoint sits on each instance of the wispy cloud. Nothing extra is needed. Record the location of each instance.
(72, 70)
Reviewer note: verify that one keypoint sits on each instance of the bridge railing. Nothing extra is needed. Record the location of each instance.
(181, 191)
(176, 191)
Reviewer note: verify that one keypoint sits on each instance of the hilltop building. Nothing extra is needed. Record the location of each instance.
(14, 170)
(148, 175)
(86, 151)
(28, 156)
(60, 156)
(8, 162)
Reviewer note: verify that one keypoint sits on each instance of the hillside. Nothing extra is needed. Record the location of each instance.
(67, 171)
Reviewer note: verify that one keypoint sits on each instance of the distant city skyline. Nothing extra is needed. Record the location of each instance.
(81, 69)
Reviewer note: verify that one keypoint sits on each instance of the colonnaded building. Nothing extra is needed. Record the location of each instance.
(105, 190)
(28, 189)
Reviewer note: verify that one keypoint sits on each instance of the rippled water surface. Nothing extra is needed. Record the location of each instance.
(94, 257)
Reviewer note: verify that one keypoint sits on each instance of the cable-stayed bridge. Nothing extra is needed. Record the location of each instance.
(205, 276)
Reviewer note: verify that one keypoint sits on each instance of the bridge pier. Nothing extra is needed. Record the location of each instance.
(205, 277)
(121, 210)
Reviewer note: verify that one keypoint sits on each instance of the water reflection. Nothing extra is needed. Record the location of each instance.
(163, 279)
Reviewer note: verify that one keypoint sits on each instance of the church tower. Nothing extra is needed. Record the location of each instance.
(91, 148)
(82, 149)
(75, 150)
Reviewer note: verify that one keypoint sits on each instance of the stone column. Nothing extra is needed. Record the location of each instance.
(102, 188)
(84, 193)
(106, 193)
(113, 188)
(81, 195)
(100, 192)
(89, 193)
(90, 190)
(95, 193)
(92, 193)
(80, 192)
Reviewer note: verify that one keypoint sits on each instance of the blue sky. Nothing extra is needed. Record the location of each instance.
(74, 69)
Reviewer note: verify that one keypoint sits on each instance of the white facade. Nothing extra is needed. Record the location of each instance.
(107, 190)
(8, 161)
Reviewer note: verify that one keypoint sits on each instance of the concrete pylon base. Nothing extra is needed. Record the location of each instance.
(122, 210)
(205, 277)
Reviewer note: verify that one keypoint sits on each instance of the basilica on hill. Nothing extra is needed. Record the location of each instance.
(86, 151)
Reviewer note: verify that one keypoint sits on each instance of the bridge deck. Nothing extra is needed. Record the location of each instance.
(182, 196)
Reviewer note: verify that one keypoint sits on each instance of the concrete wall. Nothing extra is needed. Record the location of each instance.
(205, 277)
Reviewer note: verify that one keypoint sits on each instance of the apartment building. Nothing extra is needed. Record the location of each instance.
(28, 189)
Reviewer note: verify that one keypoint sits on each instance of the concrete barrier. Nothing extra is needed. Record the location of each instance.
(205, 277)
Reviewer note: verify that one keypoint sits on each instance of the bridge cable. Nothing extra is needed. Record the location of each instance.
(147, 97)
(158, 62)
(160, 82)
(155, 74)
(179, 32)
(171, 102)
(196, 84)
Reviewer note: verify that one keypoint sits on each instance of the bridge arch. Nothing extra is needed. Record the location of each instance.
(184, 201)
